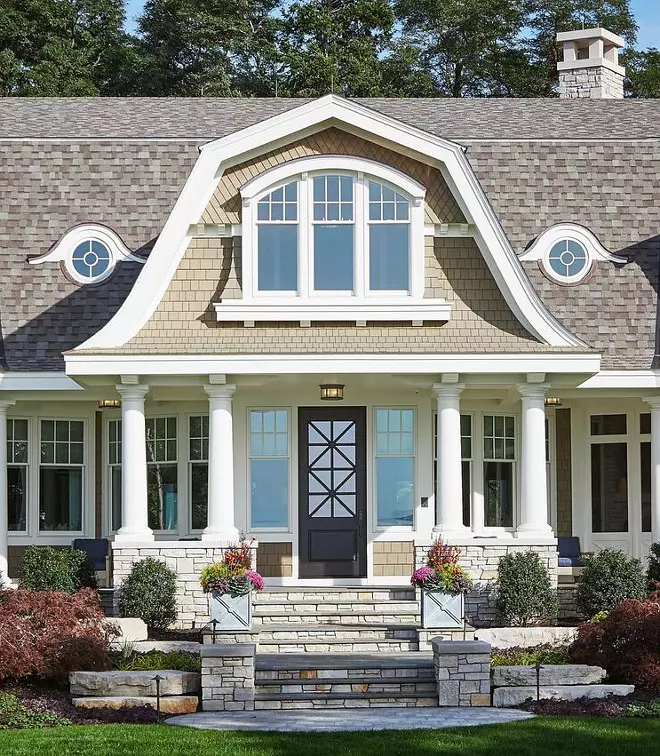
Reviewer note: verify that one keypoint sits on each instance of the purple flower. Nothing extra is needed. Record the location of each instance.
(256, 580)
(422, 575)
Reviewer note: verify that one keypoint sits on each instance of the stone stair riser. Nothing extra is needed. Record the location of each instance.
(348, 703)
(343, 647)
(335, 619)
(337, 596)
(312, 676)
(361, 607)
(398, 689)
(344, 634)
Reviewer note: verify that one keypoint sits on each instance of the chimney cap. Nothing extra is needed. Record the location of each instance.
(595, 33)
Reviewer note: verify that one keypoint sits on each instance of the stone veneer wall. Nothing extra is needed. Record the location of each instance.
(228, 677)
(563, 456)
(186, 560)
(275, 560)
(462, 672)
(393, 558)
(481, 561)
(15, 560)
(599, 83)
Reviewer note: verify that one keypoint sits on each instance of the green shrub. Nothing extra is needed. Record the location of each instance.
(152, 661)
(608, 578)
(528, 657)
(525, 593)
(653, 571)
(645, 709)
(15, 716)
(49, 569)
(149, 593)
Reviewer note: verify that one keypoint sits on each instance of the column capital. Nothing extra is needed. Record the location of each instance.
(652, 401)
(532, 390)
(447, 389)
(135, 391)
(220, 391)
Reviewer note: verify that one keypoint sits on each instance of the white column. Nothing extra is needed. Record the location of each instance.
(449, 505)
(134, 512)
(533, 477)
(654, 404)
(221, 526)
(4, 512)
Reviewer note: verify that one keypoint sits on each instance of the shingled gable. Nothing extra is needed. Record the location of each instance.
(309, 118)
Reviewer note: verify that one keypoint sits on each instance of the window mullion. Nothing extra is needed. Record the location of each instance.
(305, 251)
(361, 261)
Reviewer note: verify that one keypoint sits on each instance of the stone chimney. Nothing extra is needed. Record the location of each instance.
(591, 65)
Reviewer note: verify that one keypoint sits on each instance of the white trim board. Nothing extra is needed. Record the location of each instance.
(265, 364)
(450, 157)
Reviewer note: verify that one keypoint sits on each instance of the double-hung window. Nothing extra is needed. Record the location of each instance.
(198, 454)
(114, 472)
(499, 470)
(466, 465)
(61, 475)
(277, 240)
(162, 472)
(17, 474)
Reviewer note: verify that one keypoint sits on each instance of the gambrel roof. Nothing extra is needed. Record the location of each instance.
(124, 162)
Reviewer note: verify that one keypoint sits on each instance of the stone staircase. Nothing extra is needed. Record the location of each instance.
(323, 681)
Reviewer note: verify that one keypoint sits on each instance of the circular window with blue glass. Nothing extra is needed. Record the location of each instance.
(91, 261)
(568, 261)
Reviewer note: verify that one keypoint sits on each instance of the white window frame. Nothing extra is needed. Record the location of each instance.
(179, 463)
(26, 465)
(290, 471)
(108, 466)
(374, 456)
(515, 471)
(190, 462)
(84, 466)
(360, 305)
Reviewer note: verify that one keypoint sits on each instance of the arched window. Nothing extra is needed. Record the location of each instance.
(333, 232)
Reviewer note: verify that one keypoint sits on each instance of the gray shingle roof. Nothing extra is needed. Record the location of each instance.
(118, 168)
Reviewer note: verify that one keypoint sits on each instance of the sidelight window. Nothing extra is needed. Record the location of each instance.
(269, 468)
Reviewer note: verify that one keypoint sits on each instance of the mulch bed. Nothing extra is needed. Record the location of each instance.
(614, 706)
(194, 635)
(43, 698)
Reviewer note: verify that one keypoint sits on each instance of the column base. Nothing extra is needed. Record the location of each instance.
(134, 536)
(534, 531)
(229, 536)
(449, 531)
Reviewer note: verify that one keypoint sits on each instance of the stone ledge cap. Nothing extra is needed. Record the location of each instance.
(441, 646)
(218, 650)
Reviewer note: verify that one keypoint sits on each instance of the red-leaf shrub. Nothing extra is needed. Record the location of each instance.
(626, 643)
(48, 634)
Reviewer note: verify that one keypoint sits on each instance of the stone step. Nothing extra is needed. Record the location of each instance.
(272, 667)
(560, 674)
(134, 683)
(168, 704)
(284, 632)
(342, 701)
(334, 594)
(326, 617)
(514, 696)
(106, 597)
(338, 646)
(322, 607)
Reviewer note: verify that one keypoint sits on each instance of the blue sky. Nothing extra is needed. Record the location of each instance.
(647, 13)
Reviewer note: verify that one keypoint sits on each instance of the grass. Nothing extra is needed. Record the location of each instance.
(551, 736)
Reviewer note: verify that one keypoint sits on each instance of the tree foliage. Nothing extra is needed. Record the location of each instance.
(304, 48)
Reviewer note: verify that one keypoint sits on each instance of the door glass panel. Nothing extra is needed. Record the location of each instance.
(498, 487)
(609, 488)
(331, 471)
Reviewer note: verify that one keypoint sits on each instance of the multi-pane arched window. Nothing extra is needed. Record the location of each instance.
(335, 233)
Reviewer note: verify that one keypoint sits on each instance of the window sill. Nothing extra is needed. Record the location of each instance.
(346, 309)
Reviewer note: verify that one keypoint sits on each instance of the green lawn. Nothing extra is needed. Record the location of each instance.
(577, 736)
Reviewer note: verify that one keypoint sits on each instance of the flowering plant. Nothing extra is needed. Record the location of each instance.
(233, 574)
(442, 571)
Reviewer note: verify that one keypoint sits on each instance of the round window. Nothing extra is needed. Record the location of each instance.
(568, 260)
(91, 260)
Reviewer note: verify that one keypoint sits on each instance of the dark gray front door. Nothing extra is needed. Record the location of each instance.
(332, 491)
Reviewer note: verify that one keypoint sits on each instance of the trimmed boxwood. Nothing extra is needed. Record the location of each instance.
(149, 592)
(525, 594)
(608, 578)
(48, 569)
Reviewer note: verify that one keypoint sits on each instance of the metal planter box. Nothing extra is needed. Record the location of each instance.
(443, 610)
(231, 613)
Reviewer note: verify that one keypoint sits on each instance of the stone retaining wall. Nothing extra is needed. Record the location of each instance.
(228, 677)
(462, 672)
(186, 559)
(481, 561)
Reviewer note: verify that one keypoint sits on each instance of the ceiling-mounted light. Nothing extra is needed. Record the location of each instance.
(552, 401)
(110, 404)
(332, 392)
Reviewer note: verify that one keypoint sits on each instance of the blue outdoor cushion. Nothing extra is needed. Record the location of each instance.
(569, 551)
(96, 549)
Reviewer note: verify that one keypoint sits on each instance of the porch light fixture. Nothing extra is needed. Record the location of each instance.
(552, 401)
(332, 392)
(110, 404)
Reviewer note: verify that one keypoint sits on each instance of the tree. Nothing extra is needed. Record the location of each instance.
(337, 46)
(643, 72)
(191, 47)
(461, 41)
(60, 47)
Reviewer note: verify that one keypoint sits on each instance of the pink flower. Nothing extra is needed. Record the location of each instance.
(256, 580)
(420, 576)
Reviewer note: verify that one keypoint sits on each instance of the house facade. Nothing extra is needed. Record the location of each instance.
(338, 327)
